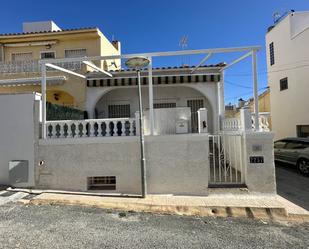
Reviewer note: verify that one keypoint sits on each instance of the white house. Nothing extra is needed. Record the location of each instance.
(188, 147)
(288, 74)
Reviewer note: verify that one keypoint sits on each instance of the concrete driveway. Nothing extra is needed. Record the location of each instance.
(52, 226)
(292, 186)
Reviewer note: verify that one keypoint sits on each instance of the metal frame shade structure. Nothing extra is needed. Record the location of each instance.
(251, 51)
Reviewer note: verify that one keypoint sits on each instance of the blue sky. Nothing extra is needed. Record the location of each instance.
(157, 25)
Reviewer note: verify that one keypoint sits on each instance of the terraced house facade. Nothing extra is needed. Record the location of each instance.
(21, 52)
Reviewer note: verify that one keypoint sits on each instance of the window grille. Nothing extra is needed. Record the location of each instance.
(119, 111)
(271, 54)
(22, 56)
(74, 53)
(284, 84)
(101, 183)
(48, 55)
(164, 105)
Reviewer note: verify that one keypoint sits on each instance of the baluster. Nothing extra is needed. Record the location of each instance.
(123, 128)
(84, 129)
(131, 129)
(99, 131)
(54, 130)
(91, 129)
(69, 131)
(108, 130)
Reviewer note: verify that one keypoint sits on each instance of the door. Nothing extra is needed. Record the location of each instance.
(195, 105)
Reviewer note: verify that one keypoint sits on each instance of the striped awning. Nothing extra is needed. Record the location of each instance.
(157, 80)
(53, 80)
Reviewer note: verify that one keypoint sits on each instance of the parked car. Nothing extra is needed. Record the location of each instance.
(293, 151)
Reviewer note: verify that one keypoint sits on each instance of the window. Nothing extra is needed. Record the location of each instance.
(280, 144)
(74, 53)
(101, 183)
(48, 55)
(302, 130)
(283, 84)
(271, 54)
(22, 56)
(119, 111)
(164, 105)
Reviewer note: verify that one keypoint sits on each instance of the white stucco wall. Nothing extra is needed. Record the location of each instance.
(289, 107)
(17, 134)
(176, 164)
(260, 177)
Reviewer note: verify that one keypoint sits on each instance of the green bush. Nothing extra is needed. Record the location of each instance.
(57, 112)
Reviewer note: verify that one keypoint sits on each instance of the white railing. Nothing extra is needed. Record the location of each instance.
(263, 121)
(32, 66)
(91, 128)
(231, 124)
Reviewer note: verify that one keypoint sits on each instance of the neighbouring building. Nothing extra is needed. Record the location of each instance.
(233, 111)
(21, 52)
(288, 74)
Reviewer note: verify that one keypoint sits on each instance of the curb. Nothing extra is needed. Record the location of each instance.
(264, 213)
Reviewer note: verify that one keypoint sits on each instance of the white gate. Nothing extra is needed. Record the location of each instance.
(226, 160)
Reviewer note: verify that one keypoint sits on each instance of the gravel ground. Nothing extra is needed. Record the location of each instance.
(83, 227)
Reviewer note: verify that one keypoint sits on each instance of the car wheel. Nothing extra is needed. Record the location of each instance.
(303, 166)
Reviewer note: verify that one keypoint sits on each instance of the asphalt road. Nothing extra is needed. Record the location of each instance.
(292, 186)
(80, 227)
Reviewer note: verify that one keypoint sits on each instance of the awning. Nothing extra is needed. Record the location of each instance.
(53, 80)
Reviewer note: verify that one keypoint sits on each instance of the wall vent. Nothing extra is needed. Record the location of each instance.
(101, 183)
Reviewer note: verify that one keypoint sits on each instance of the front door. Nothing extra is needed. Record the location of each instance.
(195, 105)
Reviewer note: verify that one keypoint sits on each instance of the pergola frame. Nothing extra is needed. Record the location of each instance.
(251, 51)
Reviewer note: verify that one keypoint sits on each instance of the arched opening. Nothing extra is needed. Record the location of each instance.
(60, 98)
(123, 102)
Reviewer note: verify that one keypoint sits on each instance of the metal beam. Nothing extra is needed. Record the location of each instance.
(237, 60)
(90, 64)
(202, 61)
(155, 54)
(64, 70)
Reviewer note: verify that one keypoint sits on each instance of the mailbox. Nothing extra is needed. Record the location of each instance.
(181, 126)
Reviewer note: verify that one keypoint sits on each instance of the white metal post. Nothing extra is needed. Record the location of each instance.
(150, 85)
(221, 99)
(255, 91)
(43, 89)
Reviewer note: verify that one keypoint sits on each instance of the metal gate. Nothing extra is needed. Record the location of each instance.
(195, 105)
(226, 160)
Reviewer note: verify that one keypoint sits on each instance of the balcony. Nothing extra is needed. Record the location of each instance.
(33, 66)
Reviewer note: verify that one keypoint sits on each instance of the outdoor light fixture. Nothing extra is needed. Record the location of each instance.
(138, 63)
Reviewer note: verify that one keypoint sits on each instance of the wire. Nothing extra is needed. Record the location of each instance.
(236, 84)
(245, 94)
(274, 71)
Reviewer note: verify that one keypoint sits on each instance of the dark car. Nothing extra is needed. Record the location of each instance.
(294, 151)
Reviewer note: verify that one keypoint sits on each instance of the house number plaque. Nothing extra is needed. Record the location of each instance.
(256, 159)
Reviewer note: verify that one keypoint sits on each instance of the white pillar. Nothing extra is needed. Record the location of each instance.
(245, 118)
(255, 91)
(221, 99)
(150, 85)
(43, 90)
(202, 120)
